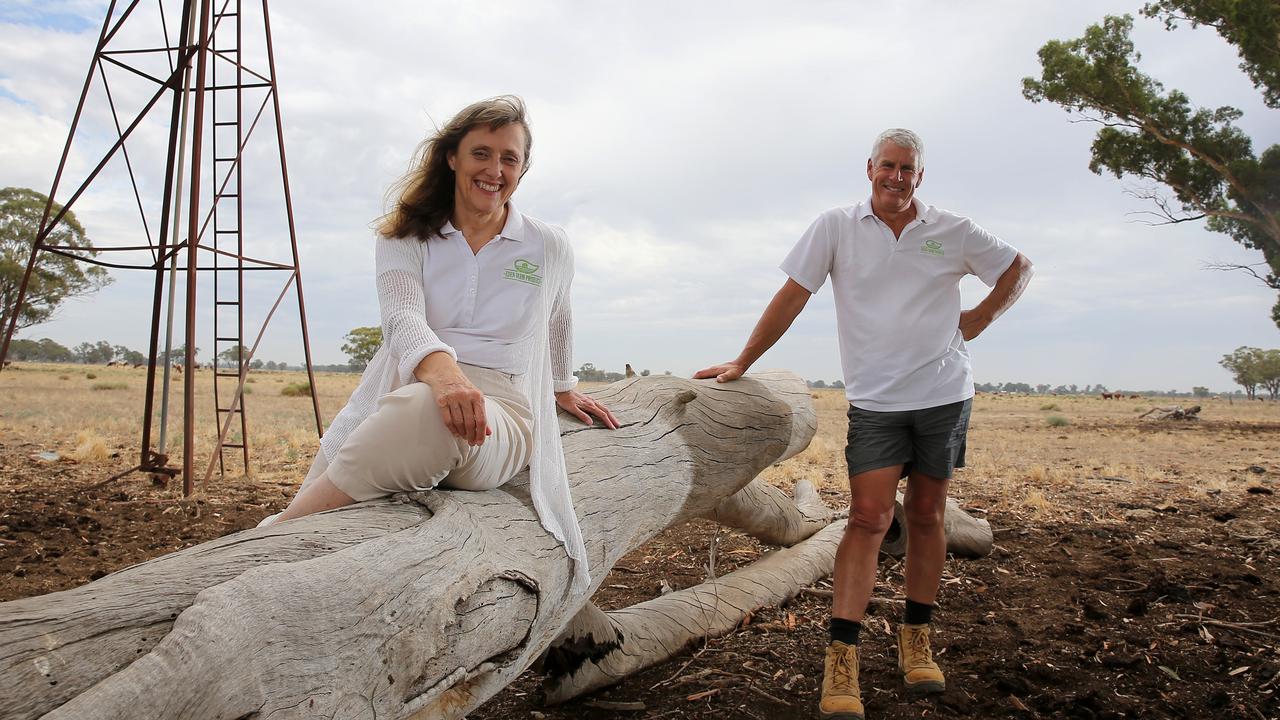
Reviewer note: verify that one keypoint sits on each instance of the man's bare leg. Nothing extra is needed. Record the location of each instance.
(857, 559)
(870, 515)
(924, 504)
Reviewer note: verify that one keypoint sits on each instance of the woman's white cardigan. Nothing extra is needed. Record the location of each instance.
(407, 339)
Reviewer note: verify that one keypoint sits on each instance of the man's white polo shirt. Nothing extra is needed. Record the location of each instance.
(898, 300)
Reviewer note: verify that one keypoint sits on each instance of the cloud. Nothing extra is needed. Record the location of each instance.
(684, 147)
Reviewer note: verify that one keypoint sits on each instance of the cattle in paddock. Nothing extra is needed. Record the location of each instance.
(1135, 397)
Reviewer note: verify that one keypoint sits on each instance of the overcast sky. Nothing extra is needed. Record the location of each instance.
(684, 147)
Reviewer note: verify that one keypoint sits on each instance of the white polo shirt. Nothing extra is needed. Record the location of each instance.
(898, 300)
(485, 305)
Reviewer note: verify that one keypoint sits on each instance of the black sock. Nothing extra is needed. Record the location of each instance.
(845, 631)
(917, 613)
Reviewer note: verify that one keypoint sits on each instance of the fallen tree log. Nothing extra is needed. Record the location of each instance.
(967, 536)
(427, 604)
(600, 648)
(423, 605)
(1172, 413)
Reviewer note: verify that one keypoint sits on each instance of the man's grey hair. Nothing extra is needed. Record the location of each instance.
(901, 137)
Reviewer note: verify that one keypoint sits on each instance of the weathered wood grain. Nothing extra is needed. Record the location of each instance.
(423, 605)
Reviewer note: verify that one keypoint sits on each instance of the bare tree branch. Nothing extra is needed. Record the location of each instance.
(1270, 281)
(1166, 214)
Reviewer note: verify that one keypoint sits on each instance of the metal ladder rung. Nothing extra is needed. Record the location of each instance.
(224, 123)
(227, 339)
(231, 445)
(229, 410)
(226, 302)
(234, 375)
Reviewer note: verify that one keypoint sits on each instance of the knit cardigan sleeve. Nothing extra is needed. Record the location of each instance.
(401, 299)
(560, 327)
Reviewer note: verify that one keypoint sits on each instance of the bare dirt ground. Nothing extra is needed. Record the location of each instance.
(1134, 574)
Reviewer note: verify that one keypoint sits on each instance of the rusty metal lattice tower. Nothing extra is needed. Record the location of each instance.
(219, 90)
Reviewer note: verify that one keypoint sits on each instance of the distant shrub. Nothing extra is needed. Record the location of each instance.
(108, 386)
(1057, 421)
(247, 390)
(1049, 406)
(250, 380)
(296, 389)
(91, 376)
(64, 377)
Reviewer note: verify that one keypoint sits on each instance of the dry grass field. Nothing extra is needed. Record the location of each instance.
(1134, 574)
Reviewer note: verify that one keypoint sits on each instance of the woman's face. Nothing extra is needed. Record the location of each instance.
(487, 168)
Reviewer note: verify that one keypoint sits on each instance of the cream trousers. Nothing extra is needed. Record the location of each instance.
(404, 445)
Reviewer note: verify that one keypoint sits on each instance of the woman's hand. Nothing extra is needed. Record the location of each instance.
(584, 406)
(461, 403)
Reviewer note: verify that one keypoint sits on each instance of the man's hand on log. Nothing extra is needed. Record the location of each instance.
(584, 406)
(722, 373)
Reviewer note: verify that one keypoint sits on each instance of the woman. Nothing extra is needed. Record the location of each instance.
(477, 338)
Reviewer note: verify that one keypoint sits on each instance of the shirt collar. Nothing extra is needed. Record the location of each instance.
(513, 229)
(924, 213)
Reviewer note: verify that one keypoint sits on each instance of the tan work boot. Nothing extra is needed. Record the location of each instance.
(841, 698)
(915, 660)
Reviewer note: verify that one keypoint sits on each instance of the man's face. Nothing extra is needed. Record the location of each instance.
(895, 173)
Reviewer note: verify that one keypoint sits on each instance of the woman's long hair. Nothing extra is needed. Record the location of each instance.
(424, 196)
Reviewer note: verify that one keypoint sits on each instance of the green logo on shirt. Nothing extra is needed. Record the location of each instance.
(932, 247)
(523, 271)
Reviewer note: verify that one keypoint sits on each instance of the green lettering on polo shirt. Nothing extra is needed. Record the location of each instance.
(523, 271)
(932, 247)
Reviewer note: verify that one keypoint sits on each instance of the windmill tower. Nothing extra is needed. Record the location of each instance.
(189, 86)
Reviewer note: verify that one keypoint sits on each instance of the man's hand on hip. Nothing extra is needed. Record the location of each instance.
(972, 323)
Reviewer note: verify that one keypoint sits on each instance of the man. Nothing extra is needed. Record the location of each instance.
(895, 265)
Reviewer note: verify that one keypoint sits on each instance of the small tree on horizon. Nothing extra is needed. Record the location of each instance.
(1244, 364)
(361, 344)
